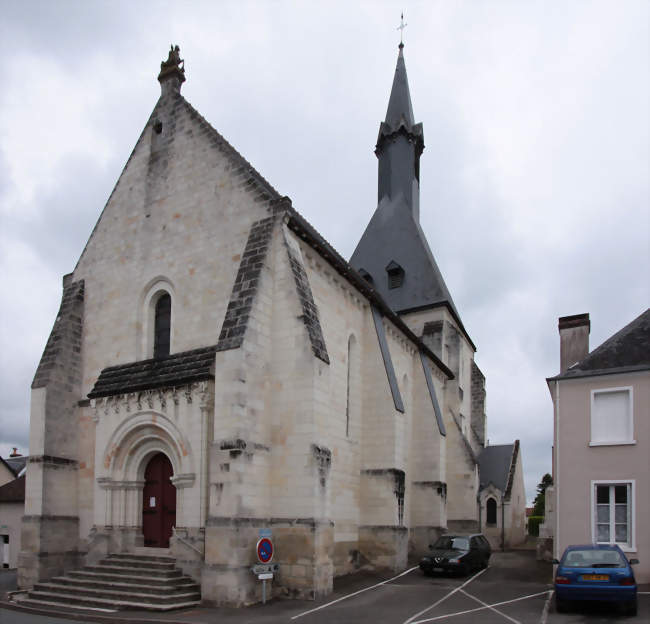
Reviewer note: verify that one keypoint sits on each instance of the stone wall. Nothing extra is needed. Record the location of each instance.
(50, 531)
(298, 434)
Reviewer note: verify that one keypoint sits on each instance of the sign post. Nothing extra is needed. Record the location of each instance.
(264, 572)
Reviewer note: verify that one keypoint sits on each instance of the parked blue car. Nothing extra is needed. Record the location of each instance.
(595, 572)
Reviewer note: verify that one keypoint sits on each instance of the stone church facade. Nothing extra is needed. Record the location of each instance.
(217, 370)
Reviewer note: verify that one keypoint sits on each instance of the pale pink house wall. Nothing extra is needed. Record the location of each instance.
(577, 464)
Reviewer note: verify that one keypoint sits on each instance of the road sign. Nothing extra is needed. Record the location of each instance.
(265, 568)
(265, 577)
(264, 550)
(264, 533)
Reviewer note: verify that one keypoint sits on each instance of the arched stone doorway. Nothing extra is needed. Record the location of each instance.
(158, 502)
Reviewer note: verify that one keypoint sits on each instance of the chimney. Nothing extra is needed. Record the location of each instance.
(574, 339)
(15, 453)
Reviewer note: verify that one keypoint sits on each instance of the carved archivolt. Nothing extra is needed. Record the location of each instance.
(140, 436)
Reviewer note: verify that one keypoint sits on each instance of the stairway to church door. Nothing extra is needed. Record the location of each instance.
(158, 502)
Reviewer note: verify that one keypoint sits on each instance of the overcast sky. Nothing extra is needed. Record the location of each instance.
(534, 179)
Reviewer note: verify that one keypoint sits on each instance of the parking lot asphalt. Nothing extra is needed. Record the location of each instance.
(515, 588)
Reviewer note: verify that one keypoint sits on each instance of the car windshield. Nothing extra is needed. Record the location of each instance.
(593, 559)
(448, 543)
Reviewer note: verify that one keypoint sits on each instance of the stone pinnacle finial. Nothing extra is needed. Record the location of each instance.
(172, 71)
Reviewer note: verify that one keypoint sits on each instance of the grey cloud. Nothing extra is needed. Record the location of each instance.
(534, 177)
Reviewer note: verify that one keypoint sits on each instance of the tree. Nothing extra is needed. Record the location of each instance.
(540, 500)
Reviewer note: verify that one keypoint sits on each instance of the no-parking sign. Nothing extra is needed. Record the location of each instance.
(264, 550)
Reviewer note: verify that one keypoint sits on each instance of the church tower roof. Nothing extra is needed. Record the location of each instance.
(393, 253)
(400, 109)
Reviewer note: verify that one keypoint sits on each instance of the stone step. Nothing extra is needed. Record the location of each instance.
(133, 562)
(121, 581)
(68, 600)
(152, 551)
(168, 581)
(48, 604)
(154, 558)
(133, 571)
(184, 583)
(134, 595)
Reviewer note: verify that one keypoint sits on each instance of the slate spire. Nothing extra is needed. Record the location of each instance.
(393, 253)
(400, 144)
(400, 109)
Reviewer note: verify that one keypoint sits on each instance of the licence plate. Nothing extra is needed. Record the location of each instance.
(595, 577)
(438, 570)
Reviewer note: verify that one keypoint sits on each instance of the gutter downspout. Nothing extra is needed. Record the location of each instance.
(556, 473)
(503, 523)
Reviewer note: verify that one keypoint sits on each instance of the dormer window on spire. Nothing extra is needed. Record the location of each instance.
(395, 274)
(366, 276)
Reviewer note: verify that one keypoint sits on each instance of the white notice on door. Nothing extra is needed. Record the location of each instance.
(152, 501)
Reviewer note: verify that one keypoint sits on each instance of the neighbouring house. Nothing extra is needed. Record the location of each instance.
(6, 473)
(601, 441)
(217, 372)
(12, 505)
(502, 499)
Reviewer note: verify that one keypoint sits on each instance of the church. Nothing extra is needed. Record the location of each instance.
(217, 372)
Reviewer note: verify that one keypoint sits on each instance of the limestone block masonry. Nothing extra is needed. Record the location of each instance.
(210, 331)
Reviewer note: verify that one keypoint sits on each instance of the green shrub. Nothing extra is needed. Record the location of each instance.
(533, 525)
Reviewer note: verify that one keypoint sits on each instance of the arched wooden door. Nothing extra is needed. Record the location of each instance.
(158, 502)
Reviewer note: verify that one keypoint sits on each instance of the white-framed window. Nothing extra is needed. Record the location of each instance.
(612, 513)
(612, 420)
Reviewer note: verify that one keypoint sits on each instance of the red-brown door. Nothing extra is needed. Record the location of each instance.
(158, 502)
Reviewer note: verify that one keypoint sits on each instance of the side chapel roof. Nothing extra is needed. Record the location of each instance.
(496, 465)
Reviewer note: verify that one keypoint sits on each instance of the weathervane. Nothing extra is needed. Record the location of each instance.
(401, 28)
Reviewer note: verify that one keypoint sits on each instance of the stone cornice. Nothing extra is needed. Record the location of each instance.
(154, 400)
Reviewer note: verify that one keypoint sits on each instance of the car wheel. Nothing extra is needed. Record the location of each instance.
(561, 606)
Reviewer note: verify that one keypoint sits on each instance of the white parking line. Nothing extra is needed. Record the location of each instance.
(356, 593)
(496, 604)
(487, 606)
(453, 591)
(547, 605)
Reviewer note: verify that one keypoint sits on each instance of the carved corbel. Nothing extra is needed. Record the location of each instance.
(183, 480)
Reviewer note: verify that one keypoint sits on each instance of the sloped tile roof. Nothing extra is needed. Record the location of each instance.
(494, 465)
(14, 491)
(174, 370)
(626, 351)
(16, 464)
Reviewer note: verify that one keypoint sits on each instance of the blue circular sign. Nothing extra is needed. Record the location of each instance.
(265, 550)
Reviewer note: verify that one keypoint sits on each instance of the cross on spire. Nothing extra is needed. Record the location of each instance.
(401, 28)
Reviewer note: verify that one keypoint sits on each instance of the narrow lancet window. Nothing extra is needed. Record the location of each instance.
(347, 401)
(162, 326)
(491, 508)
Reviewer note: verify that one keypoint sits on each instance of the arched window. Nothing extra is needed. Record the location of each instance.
(162, 326)
(491, 511)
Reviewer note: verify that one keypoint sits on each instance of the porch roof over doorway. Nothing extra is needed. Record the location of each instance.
(173, 370)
